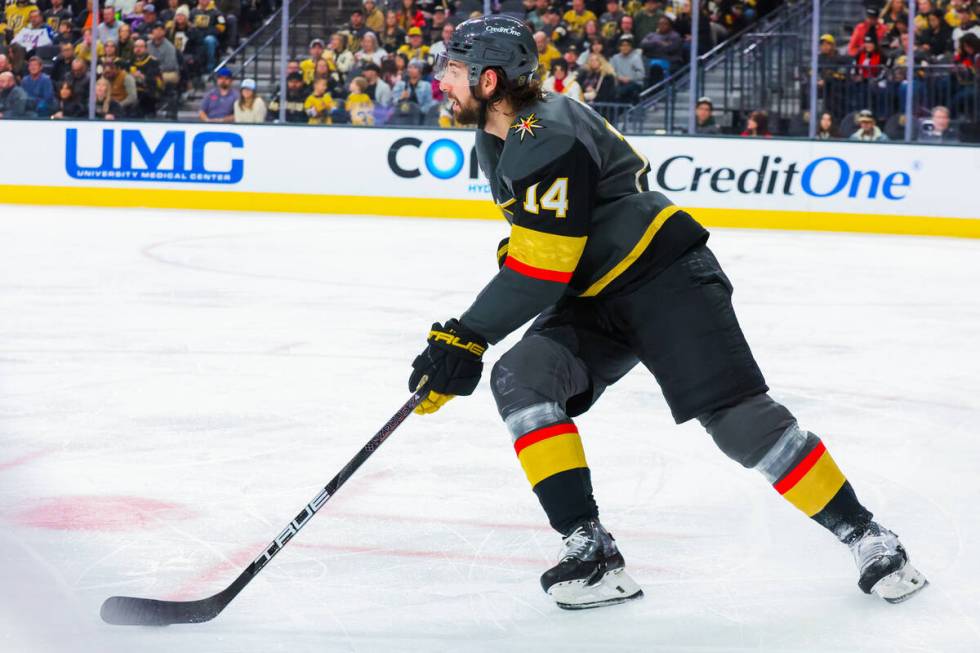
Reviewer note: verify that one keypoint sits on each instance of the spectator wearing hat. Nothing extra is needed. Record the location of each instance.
(630, 70)
(576, 18)
(870, 26)
(207, 27)
(414, 89)
(609, 20)
(967, 24)
(144, 26)
(938, 129)
(308, 65)
(415, 49)
(38, 87)
(562, 82)
(831, 74)
(250, 107)
(704, 117)
(295, 100)
(433, 31)
(56, 13)
(319, 104)
(377, 89)
(570, 57)
(374, 18)
(122, 86)
(868, 131)
(145, 70)
(868, 60)
(355, 30)
(547, 53)
(218, 104)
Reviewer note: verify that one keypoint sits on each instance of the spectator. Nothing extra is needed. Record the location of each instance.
(734, 19)
(922, 11)
(149, 81)
(826, 128)
(36, 34)
(83, 49)
(38, 87)
(870, 26)
(14, 102)
(335, 85)
(355, 30)
(79, 79)
(556, 32)
(295, 100)
(570, 57)
(57, 13)
(433, 31)
(647, 19)
(250, 107)
(868, 60)
(596, 47)
(17, 15)
(534, 16)
(340, 58)
(207, 25)
(599, 82)
(62, 63)
(957, 11)
(629, 68)
(64, 33)
(893, 13)
(546, 53)
(704, 117)
(374, 18)
(231, 10)
(393, 36)
(938, 129)
(218, 104)
(307, 66)
(414, 89)
(561, 82)
(370, 52)
(625, 29)
(359, 106)
(967, 25)
(937, 38)
(757, 126)
(868, 131)
(440, 47)
(576, 18)
(377, 89)
(319, 104)
(68, 106)
(105, 107)
(664, 44)
(108, 29)
(415, 50)
(166, 55)
(122, 86)
(124, 45)
(409, 16)
(609, 20)
(144, 27)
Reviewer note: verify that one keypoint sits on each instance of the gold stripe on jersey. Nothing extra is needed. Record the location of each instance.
(634, 254)
(503, 205)
(545, 251)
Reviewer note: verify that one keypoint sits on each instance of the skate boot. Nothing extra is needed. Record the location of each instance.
(883, 564)
(590, 572)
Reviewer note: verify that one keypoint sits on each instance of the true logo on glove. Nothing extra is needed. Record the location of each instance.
(450, 339)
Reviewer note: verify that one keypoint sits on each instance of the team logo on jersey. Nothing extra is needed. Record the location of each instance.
(526, 126)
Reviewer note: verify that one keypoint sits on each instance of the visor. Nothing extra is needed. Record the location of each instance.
(440, 66)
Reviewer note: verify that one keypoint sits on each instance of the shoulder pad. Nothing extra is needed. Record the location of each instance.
(533, 142)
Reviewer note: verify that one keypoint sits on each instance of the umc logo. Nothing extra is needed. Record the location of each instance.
(166, 161)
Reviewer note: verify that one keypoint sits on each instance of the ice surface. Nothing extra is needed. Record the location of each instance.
(174, 386)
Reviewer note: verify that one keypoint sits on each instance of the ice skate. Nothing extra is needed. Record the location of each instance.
(590, 572)
(883, 564)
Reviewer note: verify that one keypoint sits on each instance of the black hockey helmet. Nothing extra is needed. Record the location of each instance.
(492, 41)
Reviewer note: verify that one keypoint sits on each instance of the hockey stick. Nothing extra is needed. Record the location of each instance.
(133, 611)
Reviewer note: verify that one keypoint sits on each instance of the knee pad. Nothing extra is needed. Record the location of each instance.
(752, 431)
(537, 370)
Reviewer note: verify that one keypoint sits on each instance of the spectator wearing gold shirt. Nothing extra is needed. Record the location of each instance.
(415, 50)
(547, 53)
(319, 104)
(576, 18)
(374, 18)
(17, 15)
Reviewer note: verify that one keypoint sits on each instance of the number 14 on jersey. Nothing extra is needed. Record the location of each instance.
(554, 199)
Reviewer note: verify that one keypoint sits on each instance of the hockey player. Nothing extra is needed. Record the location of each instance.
(616, 275)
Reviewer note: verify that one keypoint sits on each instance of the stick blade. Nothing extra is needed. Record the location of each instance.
(132, 611)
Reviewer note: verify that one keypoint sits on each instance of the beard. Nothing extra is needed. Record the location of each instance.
(469, 113)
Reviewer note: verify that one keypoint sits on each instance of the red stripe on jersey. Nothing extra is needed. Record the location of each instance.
(787, 482)
(537, 273)
(534, 437)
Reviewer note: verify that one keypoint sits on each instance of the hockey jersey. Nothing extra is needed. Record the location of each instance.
(583, 220)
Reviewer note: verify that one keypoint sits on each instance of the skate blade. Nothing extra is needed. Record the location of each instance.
(615, 587)
(900, 585)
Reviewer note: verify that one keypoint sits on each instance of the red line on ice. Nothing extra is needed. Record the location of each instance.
(26, 458)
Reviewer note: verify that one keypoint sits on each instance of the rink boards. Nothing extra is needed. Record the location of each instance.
(725, 182)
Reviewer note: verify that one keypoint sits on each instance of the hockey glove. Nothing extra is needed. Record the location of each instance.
(452, 362)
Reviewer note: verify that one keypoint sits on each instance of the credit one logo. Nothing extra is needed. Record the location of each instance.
(139, 161)
(828, 176)
(443, 159)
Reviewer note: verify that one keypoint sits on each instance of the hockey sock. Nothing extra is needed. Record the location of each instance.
(805, 474)
(554, 462)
